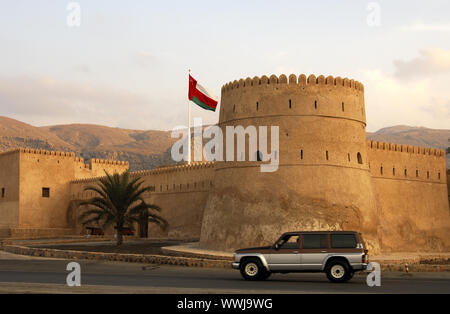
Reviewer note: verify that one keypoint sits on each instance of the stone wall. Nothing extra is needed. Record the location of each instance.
(181, 191)
(28, 210)
(411, 188)
(9, 191)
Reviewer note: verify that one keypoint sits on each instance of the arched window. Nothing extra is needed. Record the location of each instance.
(257, 106)
(417, 173)
(326, 154)
(290, 104)
(343, 109)
(381, 170)
(359, 157)
(315, 104)
(406, 173)
(301, 153)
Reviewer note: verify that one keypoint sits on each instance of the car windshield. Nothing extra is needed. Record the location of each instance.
(289, 242)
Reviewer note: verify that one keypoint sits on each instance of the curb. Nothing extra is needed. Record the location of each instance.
(174, 251)
(130, 258)
(414, 268)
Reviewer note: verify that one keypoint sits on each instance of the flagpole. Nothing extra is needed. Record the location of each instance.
(189, 130)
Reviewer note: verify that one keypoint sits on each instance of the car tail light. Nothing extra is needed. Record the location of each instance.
(365, 258)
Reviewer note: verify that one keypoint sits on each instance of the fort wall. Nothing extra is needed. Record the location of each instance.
(411, 187)
(42, 181)
(448, 184)
(9, 191)
(181, 191)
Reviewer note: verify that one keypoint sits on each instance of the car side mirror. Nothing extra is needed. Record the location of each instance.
(277, 246)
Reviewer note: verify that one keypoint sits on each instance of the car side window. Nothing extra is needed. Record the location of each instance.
(291, 242)
(315, 241)
(343, 241)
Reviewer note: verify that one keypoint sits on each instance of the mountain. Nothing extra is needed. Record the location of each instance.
(15, 134)
(143, 149)
(149, 149)
(412, 136)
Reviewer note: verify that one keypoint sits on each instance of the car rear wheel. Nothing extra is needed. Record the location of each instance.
(338, 271)
(252, 269)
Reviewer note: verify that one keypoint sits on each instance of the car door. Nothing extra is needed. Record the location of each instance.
(313, 251)
(286, 257)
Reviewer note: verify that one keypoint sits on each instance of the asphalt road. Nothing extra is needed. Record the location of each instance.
(26, 274)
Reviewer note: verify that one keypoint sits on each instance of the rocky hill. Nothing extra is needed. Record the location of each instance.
(143, 149)
(150, 149)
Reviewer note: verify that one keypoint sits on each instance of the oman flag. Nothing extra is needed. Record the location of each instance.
(201, 96)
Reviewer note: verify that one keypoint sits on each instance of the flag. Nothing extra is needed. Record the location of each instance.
(201, 96)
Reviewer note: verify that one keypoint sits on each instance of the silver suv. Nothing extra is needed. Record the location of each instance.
(337, 253)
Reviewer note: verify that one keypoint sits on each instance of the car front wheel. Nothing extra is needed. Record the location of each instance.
(338, 271)
(252, 269)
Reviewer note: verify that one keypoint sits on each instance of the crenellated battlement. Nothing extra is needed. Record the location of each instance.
(69, 159)
(292, 80)
(161, 170)
(403, 148)
(46, 152)
(108, 162)
(39, 152)
(176, 168)
(322, 97)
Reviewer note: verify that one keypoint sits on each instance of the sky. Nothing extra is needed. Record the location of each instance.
(127, 62)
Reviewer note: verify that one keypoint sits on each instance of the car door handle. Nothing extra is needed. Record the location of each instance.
(323, 251)
(295, 252)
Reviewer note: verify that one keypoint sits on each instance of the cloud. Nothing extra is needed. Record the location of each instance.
(431, 61)
(82, 68)
(422, 27)
(421, 101)
(438, 107)
(47, 101)
(145, 60)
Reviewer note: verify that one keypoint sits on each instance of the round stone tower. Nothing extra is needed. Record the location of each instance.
(322, 181)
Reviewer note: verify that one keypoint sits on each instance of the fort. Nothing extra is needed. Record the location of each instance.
(329, 177)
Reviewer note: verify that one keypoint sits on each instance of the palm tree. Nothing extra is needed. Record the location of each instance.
(120, 201)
